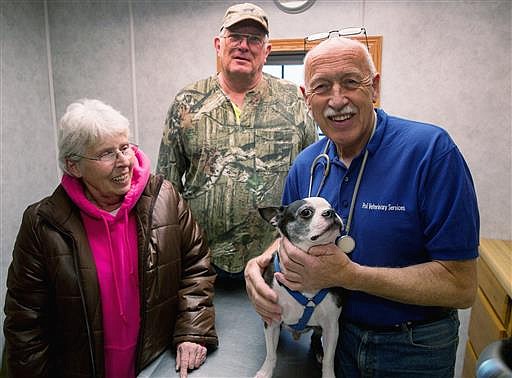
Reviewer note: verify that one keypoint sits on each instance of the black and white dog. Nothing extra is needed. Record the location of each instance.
(307, 222)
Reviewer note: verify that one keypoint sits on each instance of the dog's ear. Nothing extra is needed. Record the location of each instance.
(270, 214)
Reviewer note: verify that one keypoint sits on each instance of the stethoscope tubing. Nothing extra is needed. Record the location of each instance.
(326, 169)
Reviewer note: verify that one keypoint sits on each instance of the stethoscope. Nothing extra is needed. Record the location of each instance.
(346, 242)
(327, 168)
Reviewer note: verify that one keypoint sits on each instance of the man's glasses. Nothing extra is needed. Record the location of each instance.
(127, 150)
(235, 39)
(345, 32)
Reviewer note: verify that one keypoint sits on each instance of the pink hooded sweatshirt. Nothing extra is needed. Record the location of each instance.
(113, 241)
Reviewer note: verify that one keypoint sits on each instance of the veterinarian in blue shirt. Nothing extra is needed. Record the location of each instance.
(414, 222)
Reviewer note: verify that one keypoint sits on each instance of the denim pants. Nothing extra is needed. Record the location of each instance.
(222, 275)
(427, 350)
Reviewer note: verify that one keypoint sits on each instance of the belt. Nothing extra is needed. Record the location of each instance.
(404, 326)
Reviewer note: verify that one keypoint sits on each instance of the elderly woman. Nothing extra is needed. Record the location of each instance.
(111, 269)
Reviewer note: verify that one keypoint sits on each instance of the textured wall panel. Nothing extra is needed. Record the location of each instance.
(449, 63)
(91, 53)
(28, 164)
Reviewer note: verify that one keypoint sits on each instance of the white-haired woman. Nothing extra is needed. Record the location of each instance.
(111, 269)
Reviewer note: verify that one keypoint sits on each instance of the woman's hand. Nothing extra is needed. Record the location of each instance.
(189, 356)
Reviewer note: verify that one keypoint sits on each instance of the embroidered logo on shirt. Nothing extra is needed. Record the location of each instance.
(382, 207)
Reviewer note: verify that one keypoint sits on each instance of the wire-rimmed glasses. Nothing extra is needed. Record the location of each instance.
(345, 32)
(128, 150)
(235, 39)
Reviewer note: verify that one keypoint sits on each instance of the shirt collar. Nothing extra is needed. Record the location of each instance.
(380, 119)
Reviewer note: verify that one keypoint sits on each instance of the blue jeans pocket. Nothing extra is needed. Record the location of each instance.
(440, 334)
(427, 351)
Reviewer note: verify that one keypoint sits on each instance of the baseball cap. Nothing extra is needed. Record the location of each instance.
(245, 11)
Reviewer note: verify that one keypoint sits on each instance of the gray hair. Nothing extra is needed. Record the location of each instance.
(339, 42)
(84, 124)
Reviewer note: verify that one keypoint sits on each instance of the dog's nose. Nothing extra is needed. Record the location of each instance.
(328, 213)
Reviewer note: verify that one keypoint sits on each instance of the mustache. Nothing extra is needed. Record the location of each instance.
(348, 109)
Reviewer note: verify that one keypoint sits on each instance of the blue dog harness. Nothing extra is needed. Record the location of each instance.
(308, 303)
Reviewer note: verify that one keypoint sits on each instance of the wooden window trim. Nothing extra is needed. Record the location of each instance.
(297, 45)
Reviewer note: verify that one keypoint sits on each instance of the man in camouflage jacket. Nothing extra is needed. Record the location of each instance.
(230, 139)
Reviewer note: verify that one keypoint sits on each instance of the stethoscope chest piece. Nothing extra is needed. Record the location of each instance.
(346, 243)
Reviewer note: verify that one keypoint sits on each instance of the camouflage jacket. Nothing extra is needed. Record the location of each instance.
(225, 169)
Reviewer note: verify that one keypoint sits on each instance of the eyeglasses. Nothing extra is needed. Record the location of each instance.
(345, 32)
(235, 39)
(127, 150)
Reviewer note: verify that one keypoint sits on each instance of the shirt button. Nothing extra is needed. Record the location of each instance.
(344, 203)
(346, 179)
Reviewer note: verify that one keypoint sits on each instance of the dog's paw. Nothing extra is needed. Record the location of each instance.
(328, 371)
(263, 374)
(267, 369)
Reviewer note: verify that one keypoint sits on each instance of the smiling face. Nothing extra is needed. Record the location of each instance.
(105, 183)
(242, 58)
(340, 91)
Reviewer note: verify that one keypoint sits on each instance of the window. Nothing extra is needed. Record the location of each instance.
(286, 66)
(289, 67)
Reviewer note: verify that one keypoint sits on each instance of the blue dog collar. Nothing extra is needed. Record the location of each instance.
(308, 303)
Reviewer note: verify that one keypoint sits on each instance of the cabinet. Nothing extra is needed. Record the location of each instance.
(491, 313)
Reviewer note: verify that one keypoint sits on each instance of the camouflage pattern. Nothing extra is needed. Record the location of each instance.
(227, 170)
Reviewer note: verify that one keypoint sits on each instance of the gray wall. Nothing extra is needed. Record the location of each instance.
(445, 62)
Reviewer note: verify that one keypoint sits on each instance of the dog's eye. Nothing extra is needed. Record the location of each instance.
(306, 213)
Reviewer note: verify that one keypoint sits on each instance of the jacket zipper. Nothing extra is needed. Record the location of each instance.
(142, 270)
(81, 289)
(87, 325)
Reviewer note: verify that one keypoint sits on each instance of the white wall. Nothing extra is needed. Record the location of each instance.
(445, 62)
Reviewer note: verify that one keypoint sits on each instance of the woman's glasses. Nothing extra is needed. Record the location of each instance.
(127, 150)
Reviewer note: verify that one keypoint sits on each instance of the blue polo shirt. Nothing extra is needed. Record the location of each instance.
(416, 203)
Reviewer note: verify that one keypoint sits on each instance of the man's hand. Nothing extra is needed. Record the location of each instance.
(434, 283)
(322, 267)
(189, 356)
(263, 298)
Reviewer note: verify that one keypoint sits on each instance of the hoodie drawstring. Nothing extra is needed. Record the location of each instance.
(115, 271)
(130, 258)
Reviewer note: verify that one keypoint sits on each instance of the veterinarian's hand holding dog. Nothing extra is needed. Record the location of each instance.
(189, 356)
(300, 271)
(263, 298)
(319, 269)
(435, 283)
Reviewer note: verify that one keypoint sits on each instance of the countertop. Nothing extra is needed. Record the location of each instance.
(498, 255)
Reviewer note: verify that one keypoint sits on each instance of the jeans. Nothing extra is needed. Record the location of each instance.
(222, 275)
(427, 350)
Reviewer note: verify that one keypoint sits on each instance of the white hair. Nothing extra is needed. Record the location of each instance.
(84, 123)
